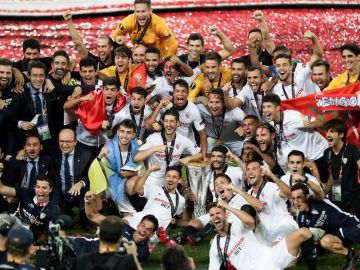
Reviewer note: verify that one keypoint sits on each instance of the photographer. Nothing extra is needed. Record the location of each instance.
(18, 244)
(7, 222)
(107, 257)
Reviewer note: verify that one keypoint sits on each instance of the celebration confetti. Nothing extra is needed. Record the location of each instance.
(334, 27)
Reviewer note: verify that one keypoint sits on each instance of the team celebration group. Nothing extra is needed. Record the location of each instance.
(141, 139)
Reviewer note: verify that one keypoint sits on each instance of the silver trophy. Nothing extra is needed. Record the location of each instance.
(197, 173)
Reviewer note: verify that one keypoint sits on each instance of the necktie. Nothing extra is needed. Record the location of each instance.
(32, 175)
(38, 109)
(67, 173)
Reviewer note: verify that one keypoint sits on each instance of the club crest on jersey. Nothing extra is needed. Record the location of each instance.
(344, 160)
(187, 115)
(42, 215)
(177, 146)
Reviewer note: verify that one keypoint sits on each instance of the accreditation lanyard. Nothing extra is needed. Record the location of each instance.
(173, 208)
(234, 88)
(258, 104)
(280, 131)
(126, 81)
(292, 88)
(127, 156)
(137, 41)
(260, 189)
(137, 127)
(168, 150)
(219, 82)
(218, 128)
(341, 162)
(223, 256)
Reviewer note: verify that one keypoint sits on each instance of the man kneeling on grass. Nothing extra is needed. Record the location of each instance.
(334, 227)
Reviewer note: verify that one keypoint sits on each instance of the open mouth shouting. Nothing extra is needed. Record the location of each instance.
(60, 72)
(262, 145)
(180, 101)
(268, 116)
(88, 80)
(252, 179)
(109, 99)
(4, 81)
(282, 75)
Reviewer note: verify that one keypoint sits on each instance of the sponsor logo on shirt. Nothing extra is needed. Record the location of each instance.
(163, 203)
(289, 137)
(322, 219)
(299, 93)
(237, 248)
(163, 156)
(183, 124)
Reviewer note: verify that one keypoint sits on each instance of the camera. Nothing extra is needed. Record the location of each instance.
(58, 252)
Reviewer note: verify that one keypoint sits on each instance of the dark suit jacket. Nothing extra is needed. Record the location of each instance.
(15, 170)
(82, 161)
(23, 109)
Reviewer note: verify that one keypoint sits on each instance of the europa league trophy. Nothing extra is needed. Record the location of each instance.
(197, 173)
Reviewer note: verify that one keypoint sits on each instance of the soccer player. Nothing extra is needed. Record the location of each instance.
(236, 247)
(294, 131)
(212, 70)
(189, 114)
(165, 202)
(275, 220)
(338, 226)
(145, 27)
(321, 74)
(122, 69)
(224, 189)
(220, 124)
(104, 45)
(296, 164)
(36, 208)
(250, 98)
(165, 148)
(112, 102)
(195, 46)
(291, 86)
(350, 54)
(137, 111)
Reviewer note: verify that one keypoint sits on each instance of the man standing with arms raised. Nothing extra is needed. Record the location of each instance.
(147, 28)
(165, 148)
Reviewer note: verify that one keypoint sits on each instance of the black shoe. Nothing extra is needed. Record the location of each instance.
(350, 260)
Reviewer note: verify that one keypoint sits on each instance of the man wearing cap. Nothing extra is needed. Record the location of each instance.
(18, 245)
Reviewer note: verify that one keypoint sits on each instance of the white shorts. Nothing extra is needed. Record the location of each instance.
(278, 257)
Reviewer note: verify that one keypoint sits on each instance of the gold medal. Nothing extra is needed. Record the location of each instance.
(173, 221)
(217, 142)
